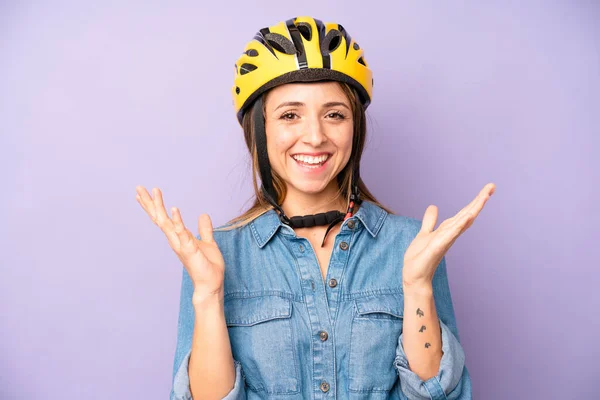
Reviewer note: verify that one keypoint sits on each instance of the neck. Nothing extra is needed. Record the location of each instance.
(298, 203)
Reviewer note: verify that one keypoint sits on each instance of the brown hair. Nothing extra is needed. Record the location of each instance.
(344, 178)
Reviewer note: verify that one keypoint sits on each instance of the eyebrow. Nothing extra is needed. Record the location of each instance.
(300, 104)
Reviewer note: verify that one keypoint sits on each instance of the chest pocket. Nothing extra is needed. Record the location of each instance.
(262, 340)
(376, 327)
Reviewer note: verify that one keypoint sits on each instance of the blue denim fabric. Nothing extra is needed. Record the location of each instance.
(277, 304)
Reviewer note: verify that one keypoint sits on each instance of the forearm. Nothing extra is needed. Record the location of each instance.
(421, 337)
(211, 368)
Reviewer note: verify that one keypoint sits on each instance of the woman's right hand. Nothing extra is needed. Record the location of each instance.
(202, 258)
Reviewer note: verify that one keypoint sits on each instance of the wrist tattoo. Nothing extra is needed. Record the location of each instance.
(422, 328)
(420, 313)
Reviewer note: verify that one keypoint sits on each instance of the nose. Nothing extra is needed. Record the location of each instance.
(314, 133)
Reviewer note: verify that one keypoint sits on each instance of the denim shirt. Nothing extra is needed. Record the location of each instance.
(294, 335)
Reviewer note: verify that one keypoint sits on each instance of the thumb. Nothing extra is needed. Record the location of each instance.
(205, 228)
(429, 219)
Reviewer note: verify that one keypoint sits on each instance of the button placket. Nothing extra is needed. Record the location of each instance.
(339, 259)
(315, 296)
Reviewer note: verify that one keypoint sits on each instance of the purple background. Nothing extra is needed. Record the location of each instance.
(97, 98)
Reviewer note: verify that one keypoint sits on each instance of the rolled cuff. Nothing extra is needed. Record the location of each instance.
(447, 378)
(181, 382)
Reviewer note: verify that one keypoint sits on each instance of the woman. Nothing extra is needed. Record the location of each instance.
(317, 291)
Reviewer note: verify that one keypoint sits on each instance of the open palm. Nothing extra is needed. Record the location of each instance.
(429, 246)
(202, 258)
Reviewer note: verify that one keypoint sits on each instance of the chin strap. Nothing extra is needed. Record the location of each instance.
(330, 218)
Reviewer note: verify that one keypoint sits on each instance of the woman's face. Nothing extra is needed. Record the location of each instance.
(309, 132)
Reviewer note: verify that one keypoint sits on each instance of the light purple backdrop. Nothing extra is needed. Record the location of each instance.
(97, 98)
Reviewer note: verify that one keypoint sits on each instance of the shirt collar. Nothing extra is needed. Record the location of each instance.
(265, 226)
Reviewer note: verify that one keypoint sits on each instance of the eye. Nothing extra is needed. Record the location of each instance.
(336, 115)
(288, 116)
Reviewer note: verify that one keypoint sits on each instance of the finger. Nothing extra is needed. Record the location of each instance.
(143, 193)
(465, 219)
(453, 227)
(146, 202)
(162, 218)
(476, 208)
(185, 236)
(205, 228)
(468, 207)
(178, 225)
(482, 195)
(140, 201)
(429, 219)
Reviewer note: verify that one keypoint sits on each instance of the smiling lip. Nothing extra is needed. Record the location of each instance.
(312, 154)
(312, 169)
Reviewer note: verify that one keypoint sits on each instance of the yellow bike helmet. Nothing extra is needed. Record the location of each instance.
(301, 49)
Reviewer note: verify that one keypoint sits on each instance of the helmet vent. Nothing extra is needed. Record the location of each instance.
(252, 52)
(356, 46)
(280, 43)
(362, 61)
(245, 68)
(305, 30)
(331, 41)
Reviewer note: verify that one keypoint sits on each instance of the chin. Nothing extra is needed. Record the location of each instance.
(309, 187)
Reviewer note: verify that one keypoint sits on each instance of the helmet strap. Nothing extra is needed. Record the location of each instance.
(264, 165)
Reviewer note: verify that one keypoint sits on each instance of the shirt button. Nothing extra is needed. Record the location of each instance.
(323, 335)
(344, 246)
(351, 224)
(324, 386)
(301, 248)
(332, 282)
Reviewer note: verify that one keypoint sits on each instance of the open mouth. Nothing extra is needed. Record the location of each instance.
(311, 162)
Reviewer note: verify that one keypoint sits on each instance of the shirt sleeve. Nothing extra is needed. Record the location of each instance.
(452, 381)
(185, 329)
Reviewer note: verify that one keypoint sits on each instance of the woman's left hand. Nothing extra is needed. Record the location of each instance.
(429, 247)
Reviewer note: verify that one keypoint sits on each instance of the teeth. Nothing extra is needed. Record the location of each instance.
(310, 159)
